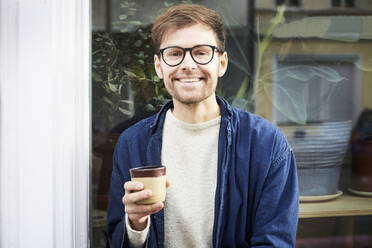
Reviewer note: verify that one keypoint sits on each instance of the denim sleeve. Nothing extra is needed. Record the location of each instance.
(116, 227)
(115, 211)
(123, 158)
(276, 218)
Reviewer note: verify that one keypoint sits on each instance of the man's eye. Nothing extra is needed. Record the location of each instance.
(175, 53)
(201, 53)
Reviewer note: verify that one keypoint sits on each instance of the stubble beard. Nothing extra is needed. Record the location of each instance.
(190, 98)
(193, 97)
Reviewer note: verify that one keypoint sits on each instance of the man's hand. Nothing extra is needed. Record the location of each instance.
(138, 213)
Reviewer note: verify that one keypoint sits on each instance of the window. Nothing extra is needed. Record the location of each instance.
(294, 67)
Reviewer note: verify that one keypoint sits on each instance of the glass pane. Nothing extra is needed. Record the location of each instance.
(304, 65)
(313, 81)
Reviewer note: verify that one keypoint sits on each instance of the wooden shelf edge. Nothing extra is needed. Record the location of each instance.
(332, 214)
(346, 205)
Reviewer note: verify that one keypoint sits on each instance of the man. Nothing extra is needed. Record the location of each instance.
(233, 174)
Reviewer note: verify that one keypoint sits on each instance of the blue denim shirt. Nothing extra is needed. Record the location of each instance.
(256, 199)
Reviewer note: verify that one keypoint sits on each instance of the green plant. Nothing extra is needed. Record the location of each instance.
(108, 79)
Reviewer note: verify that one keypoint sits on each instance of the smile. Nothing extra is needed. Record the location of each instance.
(189, 80)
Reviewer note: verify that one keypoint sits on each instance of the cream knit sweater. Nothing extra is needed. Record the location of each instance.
(189, 151)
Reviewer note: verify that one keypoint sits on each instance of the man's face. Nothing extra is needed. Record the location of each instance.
(190, 82)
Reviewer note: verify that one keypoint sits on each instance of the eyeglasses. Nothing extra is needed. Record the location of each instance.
(201, 54)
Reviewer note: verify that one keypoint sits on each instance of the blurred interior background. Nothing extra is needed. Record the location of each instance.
(305, 65)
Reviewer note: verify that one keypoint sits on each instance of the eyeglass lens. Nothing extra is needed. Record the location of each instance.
(200, 54)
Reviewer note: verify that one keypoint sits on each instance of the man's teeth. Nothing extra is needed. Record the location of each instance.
(189, 79)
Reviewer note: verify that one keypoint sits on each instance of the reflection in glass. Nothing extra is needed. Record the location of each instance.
(304, 65)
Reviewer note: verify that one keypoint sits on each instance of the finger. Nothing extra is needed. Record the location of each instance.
(132, 198)
(144, 209)
(167, 183)
(131, 186)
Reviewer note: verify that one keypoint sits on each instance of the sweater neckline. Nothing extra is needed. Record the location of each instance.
(192, 126)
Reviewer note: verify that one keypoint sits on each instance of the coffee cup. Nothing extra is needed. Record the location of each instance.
(153, 178)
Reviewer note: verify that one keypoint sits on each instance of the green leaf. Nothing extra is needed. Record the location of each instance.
(129, 73)
(127, 101)
(124, 111)
(156, 79)
(116, 23)
(97, 77)
(112, 87)
(138, 43)
(123, 17)
(135, 23)
(141, 54)
(139, 72)
(109, 74)
(106, 99)
(289, 102)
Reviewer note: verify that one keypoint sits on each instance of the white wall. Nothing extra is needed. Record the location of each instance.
(45, 123)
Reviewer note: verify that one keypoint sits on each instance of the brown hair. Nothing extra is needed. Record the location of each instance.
(187, 14)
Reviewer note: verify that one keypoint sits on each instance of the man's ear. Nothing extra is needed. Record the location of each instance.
(222, 67)
(158, 70)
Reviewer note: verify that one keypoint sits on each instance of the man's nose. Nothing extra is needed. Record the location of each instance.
(188, 63)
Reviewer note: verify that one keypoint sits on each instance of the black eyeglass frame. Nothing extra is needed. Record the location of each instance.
(161, 52)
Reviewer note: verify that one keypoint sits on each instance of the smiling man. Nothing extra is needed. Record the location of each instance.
(233, 174)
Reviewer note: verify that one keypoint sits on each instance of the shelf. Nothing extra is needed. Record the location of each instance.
(345, 205)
